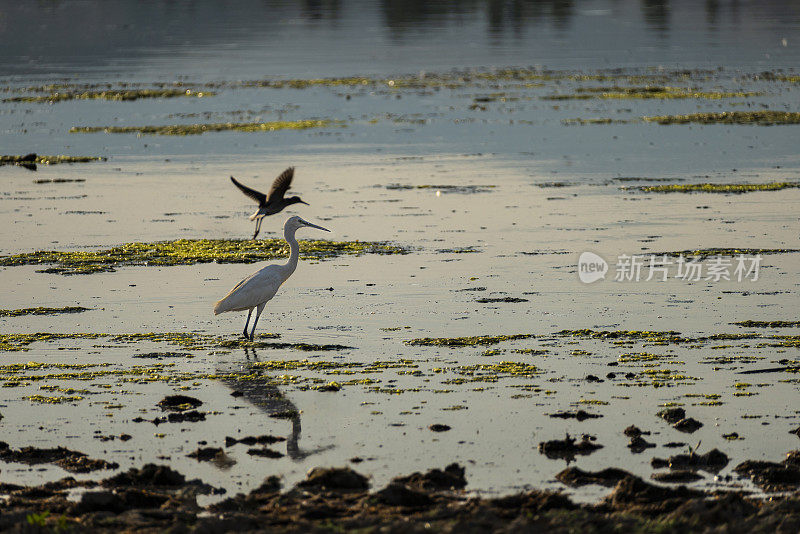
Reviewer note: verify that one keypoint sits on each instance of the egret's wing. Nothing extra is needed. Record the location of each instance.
(281, 185)
(256, 289)
(259, 197)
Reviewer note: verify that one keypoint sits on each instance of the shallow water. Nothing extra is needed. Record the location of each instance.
(555, 192)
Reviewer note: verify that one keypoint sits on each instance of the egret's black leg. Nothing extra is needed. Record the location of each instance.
(258, 228)
(247, 321)
(259, 309)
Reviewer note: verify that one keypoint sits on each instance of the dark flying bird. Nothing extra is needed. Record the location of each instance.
(273, 202)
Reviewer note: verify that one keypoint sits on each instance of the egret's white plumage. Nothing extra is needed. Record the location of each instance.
(257, 289)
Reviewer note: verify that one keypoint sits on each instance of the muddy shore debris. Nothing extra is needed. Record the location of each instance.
(69, 460)
(158, 498)
(773, 476)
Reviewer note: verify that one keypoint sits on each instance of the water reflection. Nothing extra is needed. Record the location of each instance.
(267, 397)
(35, 35)
(656, 14)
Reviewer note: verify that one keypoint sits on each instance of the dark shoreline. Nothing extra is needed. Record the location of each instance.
(159, 499)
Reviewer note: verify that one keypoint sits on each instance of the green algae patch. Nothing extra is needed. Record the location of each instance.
(598, 120)
(59, 399)
(644, 335)
(752, 118)
(190, 252)
(464, 341)
(20, 342)
(768, 324)
(31, 160)
(119, 96)
(197, 129)
(187, 341)
(42, 311)
(714, 188)
(708, 252)
(645, 359)
(755, 118)
(655, 92)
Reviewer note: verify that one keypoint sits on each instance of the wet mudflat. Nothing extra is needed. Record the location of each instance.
(443, 324)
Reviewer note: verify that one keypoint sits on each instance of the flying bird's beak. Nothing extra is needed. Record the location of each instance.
(315, 226)
(303, 202)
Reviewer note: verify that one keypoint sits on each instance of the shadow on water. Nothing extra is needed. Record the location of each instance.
(260, 391)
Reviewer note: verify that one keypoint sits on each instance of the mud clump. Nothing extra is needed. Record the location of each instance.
(179, 403)
(118, 502)
(148, 475)
(253, 440)
(335, 479)
(773, 476)
(192, 416)
(688, 425)
(569, 447)
(680, 476)
(635, 491)
(579, 415)
(398, 494)
(69, 460)
(265, 452)
(575, 477)
(634, 431)
(638, 445)
(677, 418)
(672, 415)
(206, 454)
(451, 478)
(712, 461)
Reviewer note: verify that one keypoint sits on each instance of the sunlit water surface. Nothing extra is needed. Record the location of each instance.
(555, 191)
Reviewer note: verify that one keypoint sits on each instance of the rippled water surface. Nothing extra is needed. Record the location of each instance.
(494, 142)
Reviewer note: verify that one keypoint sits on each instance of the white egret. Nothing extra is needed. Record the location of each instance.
(272, 202)
(257, 289)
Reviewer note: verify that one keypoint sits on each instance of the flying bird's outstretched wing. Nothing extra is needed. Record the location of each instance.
(281, 185)
(259, 197)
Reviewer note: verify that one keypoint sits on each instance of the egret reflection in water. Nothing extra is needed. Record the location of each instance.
(260, 390)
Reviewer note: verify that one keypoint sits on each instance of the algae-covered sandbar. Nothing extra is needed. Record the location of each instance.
(197, 129)
(33, 159)
(714, 188)
(189, 252)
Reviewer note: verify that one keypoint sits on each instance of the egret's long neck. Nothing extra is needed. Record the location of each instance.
(294, 254)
